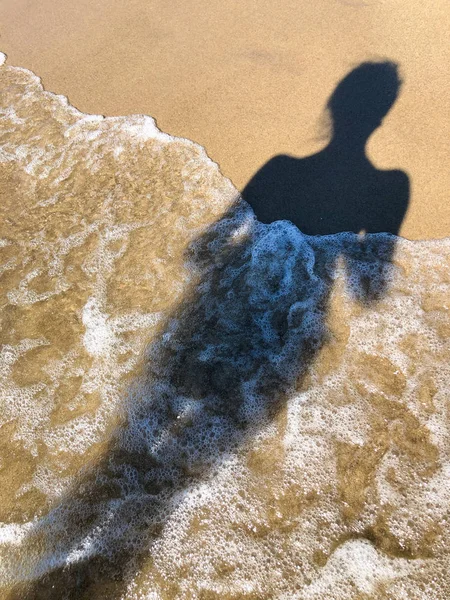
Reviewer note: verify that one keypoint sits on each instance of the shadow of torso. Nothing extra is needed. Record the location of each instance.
(329, 193)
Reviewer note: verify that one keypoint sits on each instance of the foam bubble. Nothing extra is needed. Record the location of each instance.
(99, 338)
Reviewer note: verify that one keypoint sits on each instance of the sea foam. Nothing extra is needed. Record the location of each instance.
(197, 405)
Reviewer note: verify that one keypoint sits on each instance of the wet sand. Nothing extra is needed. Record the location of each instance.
(250, 80)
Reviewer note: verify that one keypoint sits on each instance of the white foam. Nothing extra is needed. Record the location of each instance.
(99, 338)
(355, 565)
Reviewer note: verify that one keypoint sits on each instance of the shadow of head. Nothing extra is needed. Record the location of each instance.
(363, 98)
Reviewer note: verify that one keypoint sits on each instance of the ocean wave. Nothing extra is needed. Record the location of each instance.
(198, 405)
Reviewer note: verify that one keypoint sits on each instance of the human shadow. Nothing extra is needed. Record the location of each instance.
(221, 367)
(339, 189)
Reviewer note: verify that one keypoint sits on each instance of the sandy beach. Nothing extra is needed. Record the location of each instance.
(250, 80)
(196, 403)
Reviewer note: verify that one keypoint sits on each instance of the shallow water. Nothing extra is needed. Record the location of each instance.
(197, 405)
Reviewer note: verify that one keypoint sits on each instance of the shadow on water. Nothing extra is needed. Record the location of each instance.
(238, 344)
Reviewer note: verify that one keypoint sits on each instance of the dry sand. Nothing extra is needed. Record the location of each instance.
(249, 79)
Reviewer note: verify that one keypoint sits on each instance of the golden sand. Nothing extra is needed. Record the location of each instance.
(249, 80)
